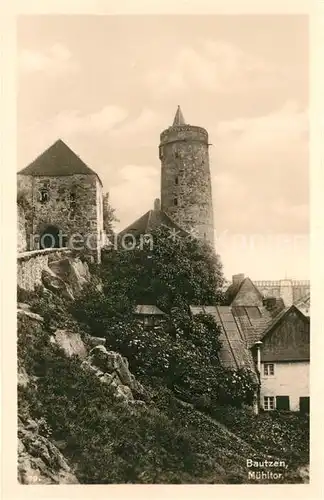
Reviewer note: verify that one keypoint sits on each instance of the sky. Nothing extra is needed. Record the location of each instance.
(109, 85)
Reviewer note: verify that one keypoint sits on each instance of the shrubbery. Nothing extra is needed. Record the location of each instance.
(284, 434)
(106, 440)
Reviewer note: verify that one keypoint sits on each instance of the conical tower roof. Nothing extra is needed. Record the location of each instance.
(178, 119)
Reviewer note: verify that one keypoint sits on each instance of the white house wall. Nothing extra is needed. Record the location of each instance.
(289, 379)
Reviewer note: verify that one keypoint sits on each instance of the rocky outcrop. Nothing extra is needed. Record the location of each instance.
(39, 460)
(94, 341)
(112, 369)
(70, 342)
(303, 472)
(23, 377)
(55, 284)
(72, 271)
(26, 312)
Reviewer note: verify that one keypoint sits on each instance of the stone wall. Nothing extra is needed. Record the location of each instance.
(186, 194)
(72, 204)
(31, 264)
(21, 229)
(291, 291)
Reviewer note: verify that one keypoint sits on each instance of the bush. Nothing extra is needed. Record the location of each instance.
(126, 444)
(283, 434)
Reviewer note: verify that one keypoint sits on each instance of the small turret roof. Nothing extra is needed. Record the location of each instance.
(178, 119)
(58, 160)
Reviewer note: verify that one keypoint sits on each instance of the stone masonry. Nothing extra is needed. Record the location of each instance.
(186, 194)
(62, 197)
(71, 206)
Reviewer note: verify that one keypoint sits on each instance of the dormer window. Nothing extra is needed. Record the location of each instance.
(43, 195)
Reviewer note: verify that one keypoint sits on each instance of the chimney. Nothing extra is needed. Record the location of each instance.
(270, 302)
(237, 279)
(157, 204)
(258, 345)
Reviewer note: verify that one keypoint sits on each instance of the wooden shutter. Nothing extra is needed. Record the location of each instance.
(304, 405)
(282, 403)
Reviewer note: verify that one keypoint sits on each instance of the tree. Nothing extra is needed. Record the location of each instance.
(109, 217)
(170, 272)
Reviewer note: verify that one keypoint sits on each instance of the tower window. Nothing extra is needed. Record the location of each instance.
(175, 201)
(176, 181)
(44, 196)
(72, 200)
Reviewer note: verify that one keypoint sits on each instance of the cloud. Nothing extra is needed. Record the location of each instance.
(260, 172)
(72, 123)
(74, 128)
(145, 120)
(104, 120)
(134, 192)
(55, 60)
(214, 66)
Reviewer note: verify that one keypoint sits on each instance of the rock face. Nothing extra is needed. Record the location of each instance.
(112, 369)
(94, 341)
(39, 460)
(303, 472)
(29, 314)
(72, 271)
(56, 284)
(70, 342)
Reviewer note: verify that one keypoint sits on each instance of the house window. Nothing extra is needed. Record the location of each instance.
(268, 403)
(175, 202)
(268, 369)
(176, 180)
(44, 196)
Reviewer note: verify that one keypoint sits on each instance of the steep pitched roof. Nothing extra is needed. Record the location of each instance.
(279, 318)
(178, 119)
(305, 300)
(234, 352)
(150, 221)
(292, 345)
(234, 289)
(148, 310)
(253, 321)
(57, 160)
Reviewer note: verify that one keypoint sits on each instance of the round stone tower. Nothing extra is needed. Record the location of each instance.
(186, 194)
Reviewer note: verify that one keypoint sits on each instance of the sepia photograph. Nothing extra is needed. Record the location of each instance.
(163, 269)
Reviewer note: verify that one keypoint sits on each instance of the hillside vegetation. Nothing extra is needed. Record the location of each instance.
(179, 416)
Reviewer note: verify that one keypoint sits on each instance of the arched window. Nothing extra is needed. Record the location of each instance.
(43, 195)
